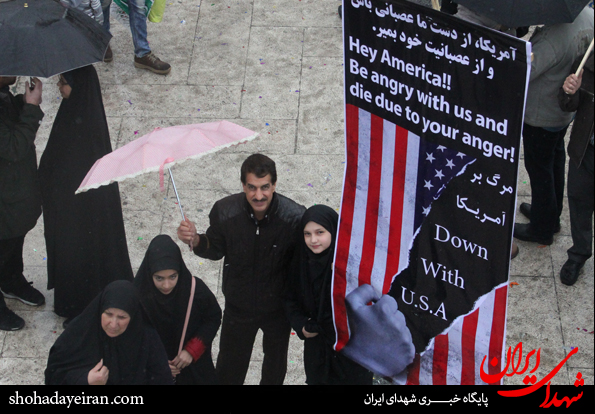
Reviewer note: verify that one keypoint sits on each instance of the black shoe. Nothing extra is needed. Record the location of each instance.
(67, 322)
(525, 209)
(26, 293)
(523, 232)
(10, 321)
(109, 55)
(514, 251)
(570, 272)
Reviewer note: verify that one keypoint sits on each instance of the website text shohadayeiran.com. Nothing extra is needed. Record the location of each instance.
(68, 400)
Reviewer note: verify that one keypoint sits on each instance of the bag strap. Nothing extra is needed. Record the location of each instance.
(187, 314)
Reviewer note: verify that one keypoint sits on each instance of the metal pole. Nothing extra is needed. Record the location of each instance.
(177, 196)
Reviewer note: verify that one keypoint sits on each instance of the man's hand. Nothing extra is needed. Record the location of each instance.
(308, 334)
(187, 233)
(573, 83)
(33, 97)
(380, 340)
(98, 375)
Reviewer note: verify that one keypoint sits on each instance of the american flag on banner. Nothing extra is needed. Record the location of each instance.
(392, 177)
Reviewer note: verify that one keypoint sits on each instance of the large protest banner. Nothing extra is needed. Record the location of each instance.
(433, 116)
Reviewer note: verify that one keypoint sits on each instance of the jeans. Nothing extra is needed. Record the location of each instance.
(545, 157)
(138, 24)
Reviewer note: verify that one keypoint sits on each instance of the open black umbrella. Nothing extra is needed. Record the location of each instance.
(519, 13)
(43, 38)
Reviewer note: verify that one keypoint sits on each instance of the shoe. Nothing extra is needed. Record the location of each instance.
(570, 272)
(525, 209)
(514, 251)
(523, 232)
(109, 56)
(152, 63)
(10, 321)
(25, 293)
(67, 322)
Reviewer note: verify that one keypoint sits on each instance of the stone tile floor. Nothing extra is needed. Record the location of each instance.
(274, 66)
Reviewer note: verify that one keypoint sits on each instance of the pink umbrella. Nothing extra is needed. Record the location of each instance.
(164, 147)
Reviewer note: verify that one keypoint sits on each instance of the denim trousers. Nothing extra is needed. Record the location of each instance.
(138, 24)
(545, 158)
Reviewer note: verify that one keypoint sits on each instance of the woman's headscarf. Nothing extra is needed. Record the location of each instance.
(84, 342)
(166, 312)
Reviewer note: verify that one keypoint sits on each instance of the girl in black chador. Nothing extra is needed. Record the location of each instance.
(84, 233)
(309, 302)
(165, 286)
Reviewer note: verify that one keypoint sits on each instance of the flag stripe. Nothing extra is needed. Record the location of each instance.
(497, 331)
(468, 348)
(373, 181)
(383, 235)
(345, 223)
(440, 358)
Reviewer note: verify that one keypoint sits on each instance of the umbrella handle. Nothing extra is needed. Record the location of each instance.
(580, 67)
(176, 191)
(173, 182)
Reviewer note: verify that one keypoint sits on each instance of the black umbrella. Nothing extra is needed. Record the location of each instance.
(520, 13)
(43, 38)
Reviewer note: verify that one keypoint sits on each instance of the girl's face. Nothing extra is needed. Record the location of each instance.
(64, 87)
(165, 280)
(317, 238)
(114, 321)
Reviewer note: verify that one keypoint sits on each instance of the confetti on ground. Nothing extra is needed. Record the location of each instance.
(513, 283)
(139, 238)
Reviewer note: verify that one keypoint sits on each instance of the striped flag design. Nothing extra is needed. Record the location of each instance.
(391, 178)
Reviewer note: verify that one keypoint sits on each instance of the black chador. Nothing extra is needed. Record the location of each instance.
(84, 233)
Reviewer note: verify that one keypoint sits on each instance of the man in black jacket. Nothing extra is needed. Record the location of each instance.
(256, 233)
(20, 197)
(576, 94)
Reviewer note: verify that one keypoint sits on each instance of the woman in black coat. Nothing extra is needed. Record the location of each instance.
(308, 304)
(110, 343)
(165, 284)
(84, 233)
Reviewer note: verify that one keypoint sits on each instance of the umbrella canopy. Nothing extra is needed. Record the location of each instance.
(43, 38)
(519, 13)
(164, 147)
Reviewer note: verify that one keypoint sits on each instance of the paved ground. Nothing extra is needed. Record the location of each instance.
(274, 66)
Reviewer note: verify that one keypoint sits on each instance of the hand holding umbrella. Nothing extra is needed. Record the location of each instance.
(33, 96)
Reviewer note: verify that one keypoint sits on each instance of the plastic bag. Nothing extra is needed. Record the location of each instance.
(156, 13)
(123, 4)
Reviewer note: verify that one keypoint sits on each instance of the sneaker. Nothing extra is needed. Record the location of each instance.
(10, 321)
(109, 56)
(152, 63)
(25, 293)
